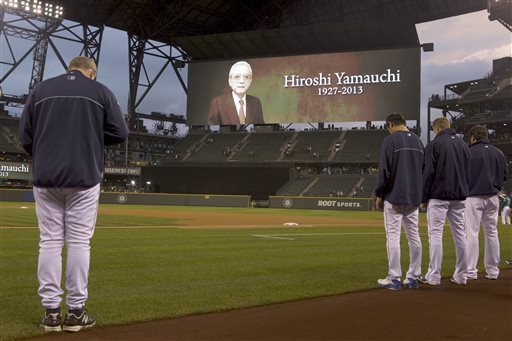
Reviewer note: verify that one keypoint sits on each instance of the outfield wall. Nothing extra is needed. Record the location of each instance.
(321, 203)
(147, 198)
(256, 181)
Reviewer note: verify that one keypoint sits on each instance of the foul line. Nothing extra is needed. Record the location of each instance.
(289, 235)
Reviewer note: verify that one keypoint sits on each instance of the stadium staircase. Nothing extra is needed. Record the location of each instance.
(313, 146)
(341, 141)
(325, 185)
(214, 147)
(189, 143)
(361, 146)
(504, 83)
(238, 146)
(295, 187)
(9, 141)
(288, 147)
(306, 190)
(262, 146)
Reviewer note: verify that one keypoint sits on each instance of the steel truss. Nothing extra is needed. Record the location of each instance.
(138, 49)
(43, 31)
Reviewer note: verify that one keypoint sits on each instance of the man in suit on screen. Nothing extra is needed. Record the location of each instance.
(236, 107)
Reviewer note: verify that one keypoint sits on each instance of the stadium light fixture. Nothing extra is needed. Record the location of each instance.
(427, 47)
(35, 6)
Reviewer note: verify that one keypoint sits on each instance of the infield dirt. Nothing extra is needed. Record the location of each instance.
(482, 310)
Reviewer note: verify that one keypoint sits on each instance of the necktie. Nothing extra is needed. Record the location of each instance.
(241, 112)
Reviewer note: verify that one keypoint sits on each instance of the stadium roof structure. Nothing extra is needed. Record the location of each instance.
(222, 29)
(219, 29)
(487, 100)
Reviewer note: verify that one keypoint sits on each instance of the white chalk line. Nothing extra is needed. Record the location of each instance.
(269, 236)
(288, 236)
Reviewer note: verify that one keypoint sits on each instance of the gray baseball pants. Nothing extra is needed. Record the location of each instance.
(437, 212)
(396, 216)
(66, 216)
(483, 210)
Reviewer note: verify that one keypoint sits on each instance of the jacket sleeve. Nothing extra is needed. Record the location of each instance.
(260, 119)
(26, 130)
(115, 129)
(429, 167)
(501, 169)
(213, 113)
(384, 170)
(468, 166)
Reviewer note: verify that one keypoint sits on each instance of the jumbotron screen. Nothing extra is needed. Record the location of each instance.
(331, 87)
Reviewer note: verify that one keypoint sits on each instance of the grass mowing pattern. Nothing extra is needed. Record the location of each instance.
(150, 273)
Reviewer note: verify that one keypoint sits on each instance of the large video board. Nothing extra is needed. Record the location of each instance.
(332, 87)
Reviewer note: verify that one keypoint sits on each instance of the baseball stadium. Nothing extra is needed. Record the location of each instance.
(256, 222)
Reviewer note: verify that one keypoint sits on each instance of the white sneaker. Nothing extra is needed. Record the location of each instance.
(428, 281)
(391, 284)
(491, 277)
(453, 280)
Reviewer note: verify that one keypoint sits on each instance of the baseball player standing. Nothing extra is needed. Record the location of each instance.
(398, 193)
(66, 122)
(488, 172)
(446, 181)
(505, 211)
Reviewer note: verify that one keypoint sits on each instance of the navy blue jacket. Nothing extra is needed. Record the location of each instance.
(446, 174)
(488, 169)
(66, 122)
(400, 169)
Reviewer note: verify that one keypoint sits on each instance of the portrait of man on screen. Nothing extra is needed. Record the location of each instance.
(236, 107)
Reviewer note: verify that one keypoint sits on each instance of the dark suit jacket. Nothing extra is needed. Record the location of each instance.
(223, 111)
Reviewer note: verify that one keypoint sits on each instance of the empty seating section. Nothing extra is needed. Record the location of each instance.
(182, 146)
(361, 146)
(368, 186)
(313, 146)
(9, 140)
(357, 147)
(474, 93)
(295, 187)
(216, 147)
(262, 146)
(333, 185)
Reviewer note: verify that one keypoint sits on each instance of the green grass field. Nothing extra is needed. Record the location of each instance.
(152, 272)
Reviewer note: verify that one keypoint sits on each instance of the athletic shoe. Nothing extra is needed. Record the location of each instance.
(491, 277)
(391, 284)
(76, 320)
(52, 320)
(473, 278)
(411, 283)
(508, 262)
(423, 280)
(453, 280)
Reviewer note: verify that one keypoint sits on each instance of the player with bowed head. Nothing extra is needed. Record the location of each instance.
(488, 172)
(398, 194)
(446, 179)
(66, 122)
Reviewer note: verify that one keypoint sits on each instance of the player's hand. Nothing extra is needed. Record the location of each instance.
(379, 204)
